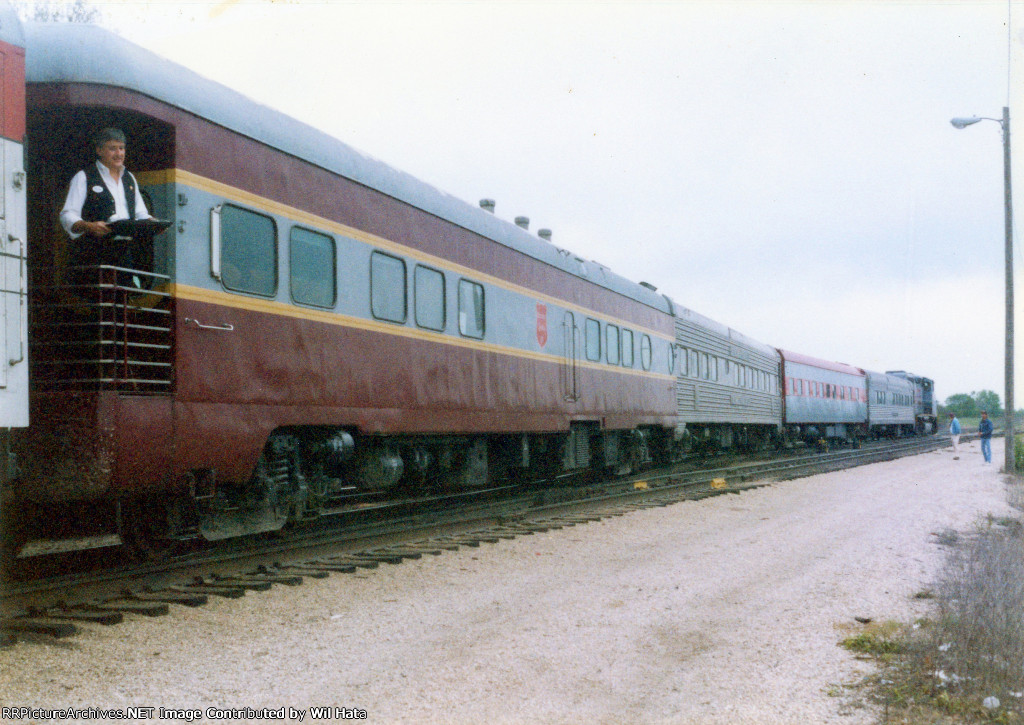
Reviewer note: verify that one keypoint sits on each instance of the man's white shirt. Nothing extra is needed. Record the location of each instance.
(77, 191)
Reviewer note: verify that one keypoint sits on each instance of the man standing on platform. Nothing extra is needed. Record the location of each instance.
(102, 192)
(985, 429)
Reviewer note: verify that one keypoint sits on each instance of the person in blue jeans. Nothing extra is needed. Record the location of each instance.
(985, 429)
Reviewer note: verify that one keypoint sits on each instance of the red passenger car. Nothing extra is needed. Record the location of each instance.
(313, 325)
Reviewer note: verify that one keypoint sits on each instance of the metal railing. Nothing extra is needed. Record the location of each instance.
(103, 328)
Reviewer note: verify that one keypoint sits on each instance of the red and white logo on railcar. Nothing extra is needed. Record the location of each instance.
(542, 324)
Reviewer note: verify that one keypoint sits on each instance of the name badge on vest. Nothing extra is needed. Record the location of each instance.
(97, 189)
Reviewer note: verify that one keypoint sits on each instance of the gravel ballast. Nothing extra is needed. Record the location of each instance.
(727, 610)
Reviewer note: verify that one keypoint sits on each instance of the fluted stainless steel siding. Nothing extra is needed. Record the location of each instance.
(706, 401)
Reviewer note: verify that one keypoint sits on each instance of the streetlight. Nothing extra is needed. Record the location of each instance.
(1008, 208)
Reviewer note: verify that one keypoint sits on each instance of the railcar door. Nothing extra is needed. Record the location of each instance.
(571, 346)
(13, 281)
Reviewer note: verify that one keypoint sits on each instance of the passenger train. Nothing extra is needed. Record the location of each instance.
(315, 329)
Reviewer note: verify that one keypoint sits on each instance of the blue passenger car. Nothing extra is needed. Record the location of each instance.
(823, 400)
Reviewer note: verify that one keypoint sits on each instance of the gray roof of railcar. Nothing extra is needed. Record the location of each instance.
(77, 53)
(725, 331)
(877, 378)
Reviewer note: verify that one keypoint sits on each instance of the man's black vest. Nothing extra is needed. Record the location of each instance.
(99, 205)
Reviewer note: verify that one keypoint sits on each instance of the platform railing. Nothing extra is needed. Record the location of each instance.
(103, 328)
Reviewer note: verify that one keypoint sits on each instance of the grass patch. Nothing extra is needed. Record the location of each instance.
(965, 663)
(877, 640)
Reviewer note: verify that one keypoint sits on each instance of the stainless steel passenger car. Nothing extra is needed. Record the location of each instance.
(727, 385)
(890, 405)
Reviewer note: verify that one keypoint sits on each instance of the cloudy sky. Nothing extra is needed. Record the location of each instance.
(787, 168)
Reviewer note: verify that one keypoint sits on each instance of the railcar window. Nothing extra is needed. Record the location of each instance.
(627, 350)
(593, 340)
(684, 368)
(692, 355)
(248, 251)
(645, 352)
(387, 287)
(429, 298)
(471, 309)
(611, 333)
(714, 368)
(311, 259)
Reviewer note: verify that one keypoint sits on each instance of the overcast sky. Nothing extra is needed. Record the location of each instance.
(786, 168)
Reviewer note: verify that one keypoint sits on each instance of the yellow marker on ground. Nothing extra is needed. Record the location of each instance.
(719, 483)
(640, 485)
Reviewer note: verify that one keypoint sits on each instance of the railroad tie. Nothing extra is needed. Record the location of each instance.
(301, 570)
(147, 609)
(416, 550)
(183, 598)
(378, 556)
(458, 541)
(256, 585)
(224, 591)
(317, 572)
(344, 560)
(39, 625)
(85, 615)
(433, 544)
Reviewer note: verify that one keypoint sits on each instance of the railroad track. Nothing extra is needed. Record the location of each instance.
(54, 607)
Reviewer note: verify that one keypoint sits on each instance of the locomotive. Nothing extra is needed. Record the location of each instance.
(317, 330)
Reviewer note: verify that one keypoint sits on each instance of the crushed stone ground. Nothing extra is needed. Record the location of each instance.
(722, 611)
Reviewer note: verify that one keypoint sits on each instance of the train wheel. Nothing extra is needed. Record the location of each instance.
(145, 530)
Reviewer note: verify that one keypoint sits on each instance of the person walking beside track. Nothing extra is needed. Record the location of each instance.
(985, 429)
(954, 435)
